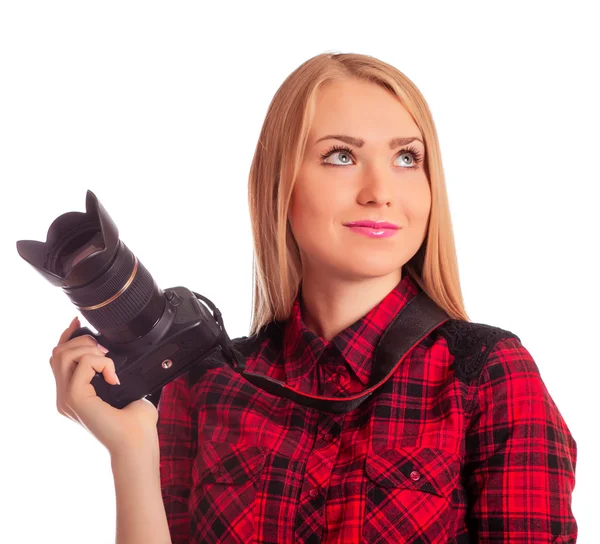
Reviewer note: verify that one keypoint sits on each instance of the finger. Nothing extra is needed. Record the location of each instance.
(74, 325)
(80, 341)
(64, 362)
(80, 387)
(63, 368)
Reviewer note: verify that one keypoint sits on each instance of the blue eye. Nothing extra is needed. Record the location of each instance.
(345, 150)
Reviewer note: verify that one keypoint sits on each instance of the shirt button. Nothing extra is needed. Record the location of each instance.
(314, 492)
(328, 437)
(335, 378)
(415, 475)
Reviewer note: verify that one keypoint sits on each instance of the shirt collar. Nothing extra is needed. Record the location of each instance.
(302, 348)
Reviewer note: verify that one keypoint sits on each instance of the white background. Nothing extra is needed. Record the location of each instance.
(157, 107)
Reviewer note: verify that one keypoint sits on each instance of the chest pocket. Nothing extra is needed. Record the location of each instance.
(226, 480)
(409, 494)
(225, 463)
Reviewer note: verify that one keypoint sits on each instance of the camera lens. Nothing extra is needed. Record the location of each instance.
(102, 277)
(78, 250)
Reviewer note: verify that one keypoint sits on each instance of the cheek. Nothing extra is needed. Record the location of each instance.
(309, 207)
(296, 218)
(302, 222)
(295, 211)
(312, 216)
(420, 204)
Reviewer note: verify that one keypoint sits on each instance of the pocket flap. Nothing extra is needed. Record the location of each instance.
(425, 469)
(222, 462)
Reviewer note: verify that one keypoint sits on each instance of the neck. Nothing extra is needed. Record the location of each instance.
(331, 304)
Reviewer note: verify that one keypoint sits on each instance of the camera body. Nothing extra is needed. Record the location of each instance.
(153, 335)
(186, 333)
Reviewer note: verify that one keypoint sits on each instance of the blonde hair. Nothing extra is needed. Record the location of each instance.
(279, 153)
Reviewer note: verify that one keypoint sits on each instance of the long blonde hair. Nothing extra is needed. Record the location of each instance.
(279, 153)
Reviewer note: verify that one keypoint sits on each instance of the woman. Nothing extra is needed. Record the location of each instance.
(348, 138)
(435, 455)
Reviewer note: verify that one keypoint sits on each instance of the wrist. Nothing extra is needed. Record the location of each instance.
(138, 452)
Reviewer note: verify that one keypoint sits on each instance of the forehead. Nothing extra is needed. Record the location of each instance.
(362, 109)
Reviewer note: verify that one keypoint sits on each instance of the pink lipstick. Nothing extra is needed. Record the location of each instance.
(373, 229)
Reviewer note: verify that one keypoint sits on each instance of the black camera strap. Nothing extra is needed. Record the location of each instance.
(417, 319)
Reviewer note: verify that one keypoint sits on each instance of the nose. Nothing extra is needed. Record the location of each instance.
(376, 188)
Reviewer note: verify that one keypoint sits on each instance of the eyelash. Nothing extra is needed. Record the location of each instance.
(412, 150)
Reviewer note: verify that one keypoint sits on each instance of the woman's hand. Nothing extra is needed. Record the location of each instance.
(75, 363)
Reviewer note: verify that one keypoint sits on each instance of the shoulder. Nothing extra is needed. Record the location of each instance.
(498, 367)
(249, 345)
(510, 393)
(268, 337)
(473, 344)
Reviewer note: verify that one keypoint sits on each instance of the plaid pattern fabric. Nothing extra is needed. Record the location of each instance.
(427, 458)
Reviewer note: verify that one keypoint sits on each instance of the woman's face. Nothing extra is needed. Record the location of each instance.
(367, 180)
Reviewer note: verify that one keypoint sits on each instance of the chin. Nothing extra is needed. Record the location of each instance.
(365, 269)
(355, 265)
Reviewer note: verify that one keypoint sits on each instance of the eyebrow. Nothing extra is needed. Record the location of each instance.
(358, 142)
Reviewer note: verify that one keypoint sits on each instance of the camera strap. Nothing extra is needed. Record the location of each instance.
(415, 321)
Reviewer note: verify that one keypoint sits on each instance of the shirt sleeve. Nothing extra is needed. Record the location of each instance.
(520, 459)
(178, 443)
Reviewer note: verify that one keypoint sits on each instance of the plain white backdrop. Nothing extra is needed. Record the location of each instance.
(157, 107)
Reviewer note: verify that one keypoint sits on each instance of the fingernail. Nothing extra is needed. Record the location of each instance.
(102, 348)
(118, 381)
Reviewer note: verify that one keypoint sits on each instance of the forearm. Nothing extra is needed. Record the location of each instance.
(141, 517)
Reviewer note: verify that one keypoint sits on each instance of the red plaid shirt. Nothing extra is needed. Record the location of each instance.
(427, 458)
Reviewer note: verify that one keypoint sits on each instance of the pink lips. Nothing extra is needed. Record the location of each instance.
(373, 229)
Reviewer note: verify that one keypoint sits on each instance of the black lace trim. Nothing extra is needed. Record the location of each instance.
(471, 344)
